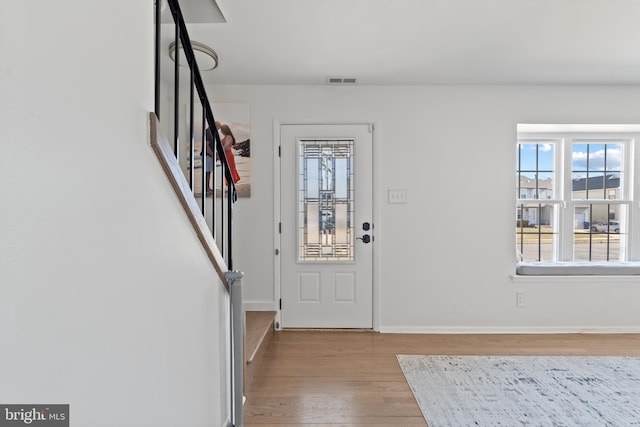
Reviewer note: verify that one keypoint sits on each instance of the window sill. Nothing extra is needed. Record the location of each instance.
(583, 280)
(582, 272)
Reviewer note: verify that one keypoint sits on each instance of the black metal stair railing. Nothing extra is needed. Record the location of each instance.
(219, 208)
(222, 215)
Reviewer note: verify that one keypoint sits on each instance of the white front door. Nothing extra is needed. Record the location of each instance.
(326, 260)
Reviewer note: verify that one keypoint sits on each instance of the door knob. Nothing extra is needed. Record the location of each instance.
(365, 239)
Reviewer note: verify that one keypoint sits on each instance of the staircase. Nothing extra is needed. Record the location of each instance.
(259, 330)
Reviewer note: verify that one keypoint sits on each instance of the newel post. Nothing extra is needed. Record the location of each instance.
(234, 279)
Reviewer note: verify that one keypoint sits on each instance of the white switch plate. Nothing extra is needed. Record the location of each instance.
(397, 196)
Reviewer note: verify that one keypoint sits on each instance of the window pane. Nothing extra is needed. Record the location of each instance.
(599, 232)
(596, 247)
(313, 223)
(535, 235)
(535, 171)
(536, 188)
(596, 171)
(326, 201)
(536, 156)
(311, 178)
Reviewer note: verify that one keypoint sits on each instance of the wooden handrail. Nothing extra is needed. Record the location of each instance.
(167, 158)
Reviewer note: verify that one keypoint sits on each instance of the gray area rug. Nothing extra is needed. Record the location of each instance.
(512, 391)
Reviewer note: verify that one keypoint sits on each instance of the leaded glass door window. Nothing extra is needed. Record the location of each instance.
(325, 201)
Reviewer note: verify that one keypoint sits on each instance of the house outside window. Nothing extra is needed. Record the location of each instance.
(574, 195)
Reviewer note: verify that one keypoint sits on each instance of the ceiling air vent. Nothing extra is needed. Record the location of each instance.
(342, 80)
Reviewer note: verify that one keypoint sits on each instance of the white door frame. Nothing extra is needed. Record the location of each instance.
(277, 218)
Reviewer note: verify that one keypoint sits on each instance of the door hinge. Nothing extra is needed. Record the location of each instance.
(280, 228)
(280, 303)
(279, 151)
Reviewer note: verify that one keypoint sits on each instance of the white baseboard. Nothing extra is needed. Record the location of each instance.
(510, 330)
(259, 306)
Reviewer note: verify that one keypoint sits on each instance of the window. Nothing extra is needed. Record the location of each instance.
(325, 201)
(574, 198)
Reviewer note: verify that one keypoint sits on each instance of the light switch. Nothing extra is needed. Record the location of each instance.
(397, 196)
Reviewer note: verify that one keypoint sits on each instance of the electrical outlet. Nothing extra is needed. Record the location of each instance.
(521, 299)
(397, 196)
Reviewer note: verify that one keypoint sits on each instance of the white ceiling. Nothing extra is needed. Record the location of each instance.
(410, 42)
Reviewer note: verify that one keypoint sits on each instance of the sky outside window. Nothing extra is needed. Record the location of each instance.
(528, 158)
(596, 159)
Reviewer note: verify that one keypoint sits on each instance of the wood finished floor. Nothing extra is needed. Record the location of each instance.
(343, 378)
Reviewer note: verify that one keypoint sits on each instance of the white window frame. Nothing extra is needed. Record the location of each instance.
(563, 184)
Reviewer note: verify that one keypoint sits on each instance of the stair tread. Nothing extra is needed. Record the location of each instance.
(257, 324)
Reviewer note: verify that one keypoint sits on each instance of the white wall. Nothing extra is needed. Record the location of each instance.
(107, 300)
(444, 259)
